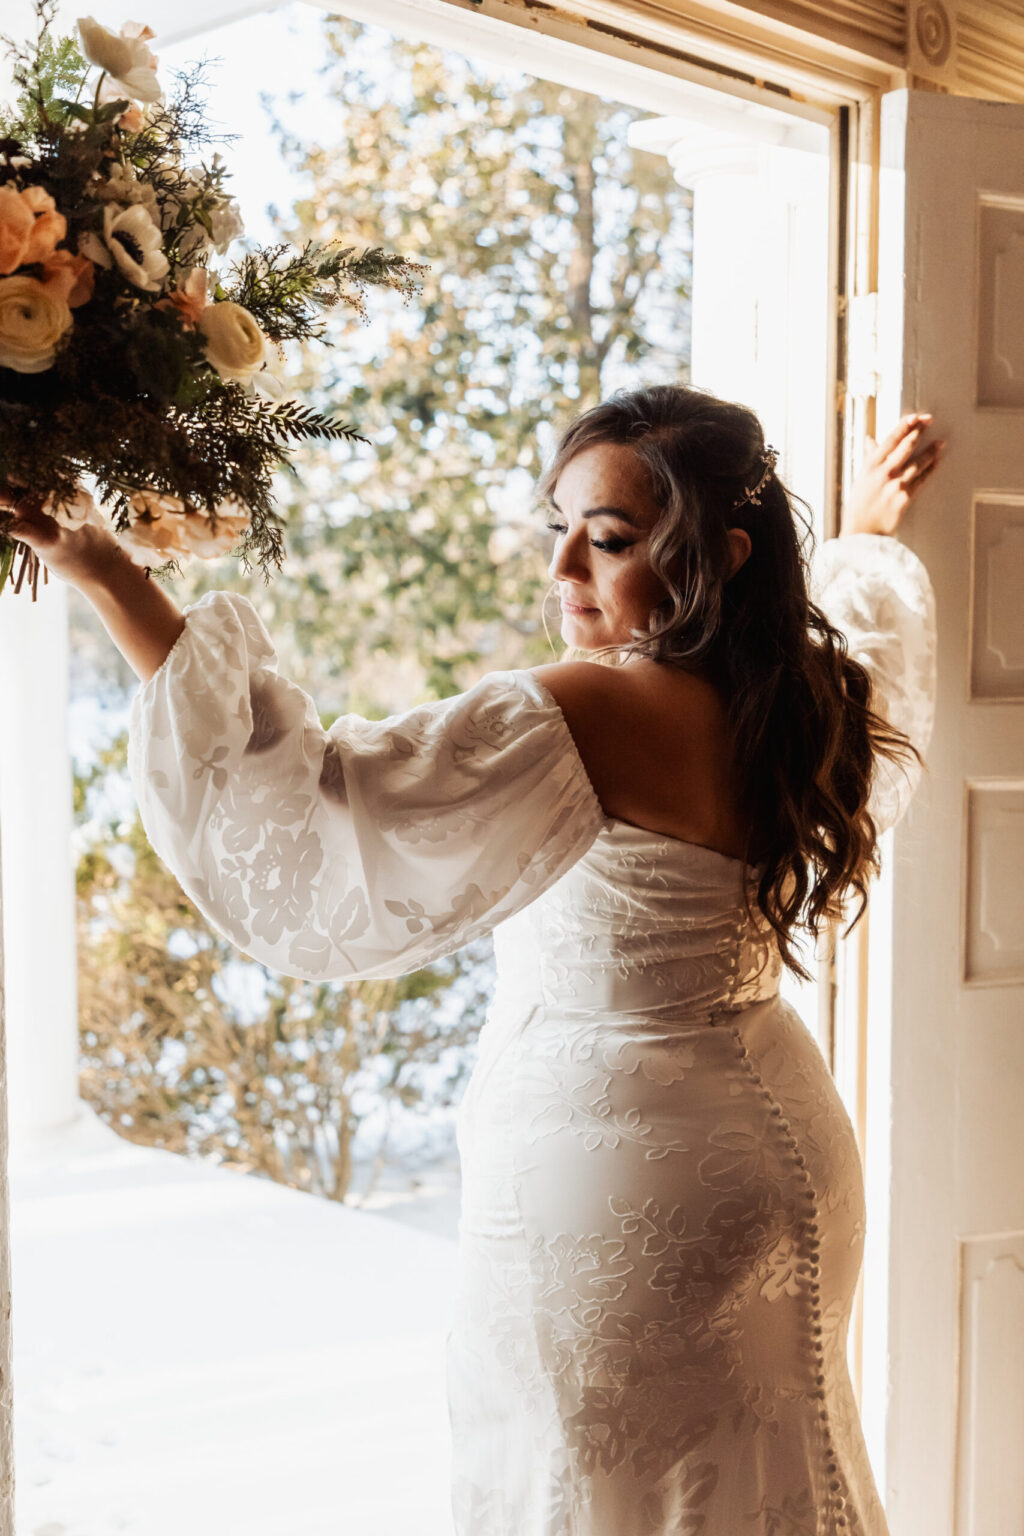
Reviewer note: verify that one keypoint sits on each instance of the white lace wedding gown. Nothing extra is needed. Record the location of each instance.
(662, 1213)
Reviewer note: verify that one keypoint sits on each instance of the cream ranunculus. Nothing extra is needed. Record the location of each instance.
(235, 345)
(33, 318)
(136, 244)
(125, 57)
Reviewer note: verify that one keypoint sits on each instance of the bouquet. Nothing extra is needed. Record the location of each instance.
(131, 359)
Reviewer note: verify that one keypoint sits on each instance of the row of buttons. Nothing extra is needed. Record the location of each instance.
(810, 1269)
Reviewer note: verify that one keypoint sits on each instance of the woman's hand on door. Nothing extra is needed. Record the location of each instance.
(891, 475)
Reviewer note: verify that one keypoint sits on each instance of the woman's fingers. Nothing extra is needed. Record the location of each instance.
(31, 523)
(922, 465)
(904, 453)
(12, 496)
(27, 509)
(904, 435)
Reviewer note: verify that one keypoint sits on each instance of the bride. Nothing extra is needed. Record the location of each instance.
(662, 1209)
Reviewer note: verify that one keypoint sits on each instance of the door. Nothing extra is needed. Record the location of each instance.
(946, 930)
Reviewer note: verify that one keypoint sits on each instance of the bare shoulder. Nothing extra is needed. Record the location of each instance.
(655, 695)
(577, 685)
(632, 725)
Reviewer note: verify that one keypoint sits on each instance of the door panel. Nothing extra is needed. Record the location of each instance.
(951, 298)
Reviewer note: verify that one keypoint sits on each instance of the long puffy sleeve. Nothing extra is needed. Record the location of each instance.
(878, 593)
(364, 850)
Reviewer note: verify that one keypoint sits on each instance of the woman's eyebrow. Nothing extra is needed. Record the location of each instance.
(627, 517)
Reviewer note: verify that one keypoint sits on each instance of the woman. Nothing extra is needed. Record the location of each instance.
(662, 1216)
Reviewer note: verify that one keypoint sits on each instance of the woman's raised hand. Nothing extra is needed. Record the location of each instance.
(141, 619)
(79, 555)
(891, 475)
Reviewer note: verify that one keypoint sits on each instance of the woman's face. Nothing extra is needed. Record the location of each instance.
(602, 516)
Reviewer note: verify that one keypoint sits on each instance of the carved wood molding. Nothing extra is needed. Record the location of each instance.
(964, 47)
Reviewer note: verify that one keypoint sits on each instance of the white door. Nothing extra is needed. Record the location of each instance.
(947, 923)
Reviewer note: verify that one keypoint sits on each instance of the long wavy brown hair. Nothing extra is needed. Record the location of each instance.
(805, 735)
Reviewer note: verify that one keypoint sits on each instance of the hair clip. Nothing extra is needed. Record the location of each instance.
(769, 458)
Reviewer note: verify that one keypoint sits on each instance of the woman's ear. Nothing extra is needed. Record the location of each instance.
(739, 548)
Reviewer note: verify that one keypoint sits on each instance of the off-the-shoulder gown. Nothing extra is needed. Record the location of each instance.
(662, 1211)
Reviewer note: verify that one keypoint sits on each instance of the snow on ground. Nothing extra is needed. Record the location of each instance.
(198, 1350)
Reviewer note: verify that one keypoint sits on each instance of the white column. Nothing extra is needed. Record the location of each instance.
(760, 276)
(727, 195)
(38, 894)
(6, 1338)
(38, 1002)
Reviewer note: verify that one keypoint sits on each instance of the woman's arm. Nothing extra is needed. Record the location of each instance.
(138, 615)
(876, 591)
(140, 618)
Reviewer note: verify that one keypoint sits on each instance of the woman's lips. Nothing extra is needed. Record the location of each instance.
(575, 607)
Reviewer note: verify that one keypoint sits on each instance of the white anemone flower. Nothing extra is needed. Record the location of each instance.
(226, 221)
(124, 57)
(134, 240)
(267, 383)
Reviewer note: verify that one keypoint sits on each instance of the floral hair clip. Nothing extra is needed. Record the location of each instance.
(769, 458)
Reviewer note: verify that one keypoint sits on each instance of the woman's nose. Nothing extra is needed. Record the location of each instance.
(568, 563)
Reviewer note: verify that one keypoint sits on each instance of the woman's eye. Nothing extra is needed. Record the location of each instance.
(612, 545)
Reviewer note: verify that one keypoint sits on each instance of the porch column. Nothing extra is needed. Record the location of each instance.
(760, 332)
(36, 862)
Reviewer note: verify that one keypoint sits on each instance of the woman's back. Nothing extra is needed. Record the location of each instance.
(657, 746)
(644, 924)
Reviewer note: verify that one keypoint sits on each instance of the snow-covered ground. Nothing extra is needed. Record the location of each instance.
(198, 1350)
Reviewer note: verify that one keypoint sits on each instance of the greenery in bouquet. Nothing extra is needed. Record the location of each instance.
(136, 367)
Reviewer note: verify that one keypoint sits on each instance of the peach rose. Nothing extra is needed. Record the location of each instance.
(17, 222)
(50, 227)
(30, 227)
(189, 298)
(164, 528)
(232, 521)
(73, 277)
(157, 528)
(79, 510)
